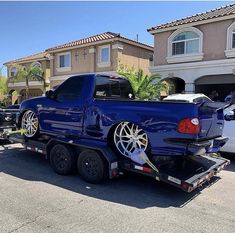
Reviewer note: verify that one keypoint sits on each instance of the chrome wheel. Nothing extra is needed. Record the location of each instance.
(128, 137)
(29, 123)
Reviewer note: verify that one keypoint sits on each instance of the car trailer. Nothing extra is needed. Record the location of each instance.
(95, 161)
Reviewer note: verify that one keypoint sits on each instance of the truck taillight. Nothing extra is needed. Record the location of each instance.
(189, 126)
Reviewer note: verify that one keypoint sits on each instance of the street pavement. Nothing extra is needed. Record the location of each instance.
(35, 199)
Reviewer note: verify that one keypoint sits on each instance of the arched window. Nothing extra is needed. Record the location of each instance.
(37, 64)
(233, 39)
(185, 45)
(230, 47)
(13, 71)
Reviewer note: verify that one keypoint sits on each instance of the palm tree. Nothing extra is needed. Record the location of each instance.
(145, 87)
(28, 74)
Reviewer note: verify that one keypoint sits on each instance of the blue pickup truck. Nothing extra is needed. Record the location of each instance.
(104, 108)
(95, 125)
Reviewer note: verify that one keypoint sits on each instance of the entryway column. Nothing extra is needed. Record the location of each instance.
(189, 88)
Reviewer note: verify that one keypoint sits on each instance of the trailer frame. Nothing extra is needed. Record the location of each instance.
(211, 164)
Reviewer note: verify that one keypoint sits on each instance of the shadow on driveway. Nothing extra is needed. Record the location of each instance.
(131, 190)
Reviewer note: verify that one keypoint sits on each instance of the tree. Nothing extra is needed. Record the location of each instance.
(145, 87)
(28, 74)
(3, 85)
(3, 89)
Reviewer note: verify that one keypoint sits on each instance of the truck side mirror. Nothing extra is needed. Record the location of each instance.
(50, 94)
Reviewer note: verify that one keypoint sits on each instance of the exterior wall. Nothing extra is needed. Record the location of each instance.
(36, 87)
(135, 57)
(213, 63)
(120, 53)
(79, 64)
(160, 48)
(84, 65)
(214, 42)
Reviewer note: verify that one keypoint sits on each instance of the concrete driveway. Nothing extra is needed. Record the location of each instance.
(35, 199)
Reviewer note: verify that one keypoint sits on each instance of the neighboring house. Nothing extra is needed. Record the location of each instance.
(101, 53)
(197, 53)
(16, 87)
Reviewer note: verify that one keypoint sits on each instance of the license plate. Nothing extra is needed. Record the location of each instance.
(7, 130)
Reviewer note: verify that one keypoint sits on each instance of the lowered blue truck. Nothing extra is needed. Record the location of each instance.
(95, 123)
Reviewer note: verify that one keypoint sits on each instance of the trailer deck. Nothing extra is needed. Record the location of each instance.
(186, 173)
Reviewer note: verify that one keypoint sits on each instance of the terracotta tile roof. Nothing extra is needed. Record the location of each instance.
(33, 57)
(215, 13)
(96, 38)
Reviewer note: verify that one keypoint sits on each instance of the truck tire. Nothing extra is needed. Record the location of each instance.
(62, 159)
(30, 122)
(92, 167)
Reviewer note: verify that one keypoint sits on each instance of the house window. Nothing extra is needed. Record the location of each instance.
(185, 43)
(13, 71)
(233, 39)
(64, 62)
(230, 46)
(104, 55)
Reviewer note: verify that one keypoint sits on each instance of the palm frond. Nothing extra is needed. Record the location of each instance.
(145, 87)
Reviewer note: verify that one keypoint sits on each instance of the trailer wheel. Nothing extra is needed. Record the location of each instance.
(62, 159)
(92, 167)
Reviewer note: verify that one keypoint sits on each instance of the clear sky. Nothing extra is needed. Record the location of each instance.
(31, 27)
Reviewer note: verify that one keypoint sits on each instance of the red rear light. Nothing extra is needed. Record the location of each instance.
(189, 126)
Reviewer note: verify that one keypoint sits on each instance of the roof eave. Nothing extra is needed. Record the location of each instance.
(205, 21)
(80, 46)
(148, 47)
(25, 61)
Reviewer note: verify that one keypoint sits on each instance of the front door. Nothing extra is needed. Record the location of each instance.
(63, 115)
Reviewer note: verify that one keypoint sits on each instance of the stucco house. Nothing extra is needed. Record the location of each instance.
(16, 87)
(102, 53)
(96, 54)
(197, 53)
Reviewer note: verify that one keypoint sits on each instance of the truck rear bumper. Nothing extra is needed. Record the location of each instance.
(200, 146)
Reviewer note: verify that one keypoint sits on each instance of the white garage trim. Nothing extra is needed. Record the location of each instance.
(189, 72)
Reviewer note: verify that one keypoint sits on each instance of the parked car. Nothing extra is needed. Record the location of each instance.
(104, 108)
(229, 131)
(189, 98)
(8, 118)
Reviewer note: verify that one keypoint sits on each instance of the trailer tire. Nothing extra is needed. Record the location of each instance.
(62, 159)
(92, 167)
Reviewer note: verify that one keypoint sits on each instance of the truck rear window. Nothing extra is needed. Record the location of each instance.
(113, 88)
